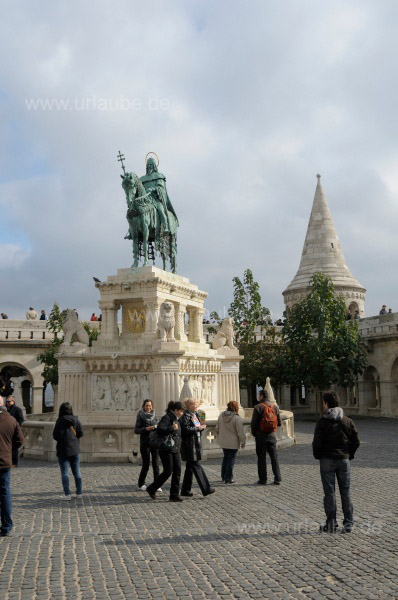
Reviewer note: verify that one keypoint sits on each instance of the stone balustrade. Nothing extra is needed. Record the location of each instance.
(118, 443)
(379, 325)
(13, 330)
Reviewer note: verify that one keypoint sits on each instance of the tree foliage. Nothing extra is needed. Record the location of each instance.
(251, 317)
(321, 348)
(50, 369)
(246, 309)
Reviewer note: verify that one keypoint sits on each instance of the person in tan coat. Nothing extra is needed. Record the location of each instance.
(231, 437)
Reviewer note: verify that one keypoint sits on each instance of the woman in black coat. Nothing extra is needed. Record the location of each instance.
(145, 423)
(67, 432)
(191, 431)
(171, 460)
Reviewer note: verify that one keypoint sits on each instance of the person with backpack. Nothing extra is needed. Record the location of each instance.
(335, 443)
(67, 432)
(266, 419)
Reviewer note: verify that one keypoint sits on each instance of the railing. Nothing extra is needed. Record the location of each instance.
(13, 330)
(379, 325)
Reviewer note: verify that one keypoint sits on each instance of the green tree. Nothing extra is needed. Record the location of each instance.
(321, 348)
(251, 317)
(50, 369)
(246, 309)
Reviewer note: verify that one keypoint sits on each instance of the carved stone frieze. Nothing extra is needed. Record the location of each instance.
(118, 365)
(199, 366)
(119, 393)
(202, 387)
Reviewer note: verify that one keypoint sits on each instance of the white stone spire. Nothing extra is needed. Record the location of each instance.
(322, 252)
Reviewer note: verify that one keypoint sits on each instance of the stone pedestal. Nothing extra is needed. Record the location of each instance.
(107, 383)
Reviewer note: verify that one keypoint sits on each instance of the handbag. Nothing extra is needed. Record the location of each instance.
(161, 442)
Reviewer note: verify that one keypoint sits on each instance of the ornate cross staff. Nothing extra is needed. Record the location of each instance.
(120, 158)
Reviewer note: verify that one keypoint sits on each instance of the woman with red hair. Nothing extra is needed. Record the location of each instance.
(231, 437)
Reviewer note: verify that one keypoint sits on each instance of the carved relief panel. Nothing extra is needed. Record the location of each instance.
(202, 387)
(119, 393)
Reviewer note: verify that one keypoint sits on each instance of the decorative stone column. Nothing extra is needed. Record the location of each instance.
(180, 323)
(191, 323)
(109, 330)
(37, 399)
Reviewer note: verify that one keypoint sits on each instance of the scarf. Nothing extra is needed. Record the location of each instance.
(147, 417)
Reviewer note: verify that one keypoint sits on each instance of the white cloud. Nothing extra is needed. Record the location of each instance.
(12, 256)
(243, 102)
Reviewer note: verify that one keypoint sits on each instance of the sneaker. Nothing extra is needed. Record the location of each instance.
(159, 490)
(261, 482)
(347, 528)
(176, 499)
(143, 488)
(210, 491)
(277, 482)
(66, 497)
(151, 494)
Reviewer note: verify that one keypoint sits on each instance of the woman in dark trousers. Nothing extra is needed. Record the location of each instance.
(191, 430)
(145, 423)
(67, 432)
(171, 459)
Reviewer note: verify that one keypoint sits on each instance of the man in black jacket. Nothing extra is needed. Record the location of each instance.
(17, 413)
(335, 443)
(266, 439)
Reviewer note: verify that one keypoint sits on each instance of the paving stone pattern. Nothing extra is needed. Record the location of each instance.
(245, 541)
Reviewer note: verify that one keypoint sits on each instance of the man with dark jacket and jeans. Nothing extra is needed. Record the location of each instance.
(265, 436)
(334, 445)
(10, 436)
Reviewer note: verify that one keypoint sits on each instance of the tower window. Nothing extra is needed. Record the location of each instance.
(332, 245)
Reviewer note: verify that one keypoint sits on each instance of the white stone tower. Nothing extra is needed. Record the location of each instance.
(322, 252)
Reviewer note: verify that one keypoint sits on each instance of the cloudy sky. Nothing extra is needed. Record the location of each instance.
(244, 102)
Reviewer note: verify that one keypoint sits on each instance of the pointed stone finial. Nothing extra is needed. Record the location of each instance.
(319, 177)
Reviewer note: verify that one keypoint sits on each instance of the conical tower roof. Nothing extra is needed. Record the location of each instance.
(322, 250)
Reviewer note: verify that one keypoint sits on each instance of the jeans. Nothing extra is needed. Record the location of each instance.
(330, 469)
(74, 462)
(171, 462)
(267, 443)
(193, 467)
(228, 462)
(5, 500)
(146, 453)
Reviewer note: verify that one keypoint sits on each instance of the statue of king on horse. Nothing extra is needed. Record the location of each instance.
(152, 220)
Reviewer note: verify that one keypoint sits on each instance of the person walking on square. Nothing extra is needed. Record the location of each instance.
(335, 443)
(231, 437)
(266, 419)
(169, 425)
(191, 430)
(67, 432)
(17, 413)
(145, 423)
(10, 437)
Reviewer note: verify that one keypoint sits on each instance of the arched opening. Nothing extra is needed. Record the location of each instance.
(26, 390)
(394, 383)
(16, 380)
(353, 309)
(371, 388)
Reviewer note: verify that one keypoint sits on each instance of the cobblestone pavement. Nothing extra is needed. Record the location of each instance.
(245, 541)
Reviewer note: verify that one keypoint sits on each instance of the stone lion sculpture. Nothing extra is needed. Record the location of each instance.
(166, 322)
(73, 329)
(225, 335)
